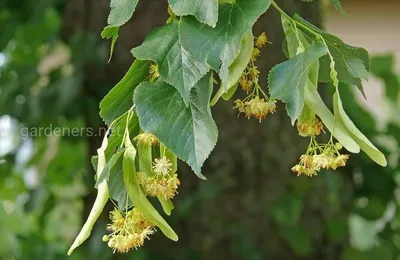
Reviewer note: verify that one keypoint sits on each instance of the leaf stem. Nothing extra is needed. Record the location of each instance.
(293, 20)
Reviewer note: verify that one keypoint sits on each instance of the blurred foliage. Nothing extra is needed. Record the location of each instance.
(44, 178)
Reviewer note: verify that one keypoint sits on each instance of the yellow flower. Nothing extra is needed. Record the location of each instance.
(261, 40)
(239, 104)
(154, 74)
(340, 161)
(321, 161)
(302, 170)
(162, 186)
(146, 139)
(162, 166)
(255, 54)
(257, 108)
(253, 73)
(131, 234)
(246, 85)
(310, 127)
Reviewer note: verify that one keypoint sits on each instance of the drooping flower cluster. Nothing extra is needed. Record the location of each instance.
(128, 230)
(146, 139)
(310, 127)
(320, 156)
(154, 74)
(257, 105)
(163, 183)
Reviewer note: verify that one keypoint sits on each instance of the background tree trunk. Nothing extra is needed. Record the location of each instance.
(230, 216)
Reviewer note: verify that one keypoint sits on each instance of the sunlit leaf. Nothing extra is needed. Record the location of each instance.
(219, 46)
(189, 132)
(175, 65)
(288, 79)
(206, 11)
(120, 98)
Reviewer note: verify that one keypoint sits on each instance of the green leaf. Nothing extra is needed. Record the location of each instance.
(288, 79)
(175, 64)
(351, 63)
(105, 174)
(189, 132)
(292, 38)
(219, 46)
(117, 133)
(314, 101)
(120, 98)
(360, 138)
(338, 6)
(206, 11)
(116, 185)
(121, 11)
(110, 32)
(236, 69)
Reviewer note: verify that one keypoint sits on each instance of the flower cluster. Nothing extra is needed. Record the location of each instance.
(162, 187)
(311, 127)
(163, 183)
(256, 107)
(154, 74)
(128, 230)
(257, 104)
(146, 139)
(320, 156)
(260, 42)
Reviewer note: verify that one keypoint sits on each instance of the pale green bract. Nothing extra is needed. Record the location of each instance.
(135, 193)
(175, 65)
(206, 11)
(288, 79)
(314, 101)
(189, 132)
(219, 46)
(236, 69)
(360, 138)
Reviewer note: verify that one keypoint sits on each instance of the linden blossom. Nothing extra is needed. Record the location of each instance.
(128, 230)
(253, 105)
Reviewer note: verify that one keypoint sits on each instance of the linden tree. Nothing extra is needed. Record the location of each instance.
(161, 110)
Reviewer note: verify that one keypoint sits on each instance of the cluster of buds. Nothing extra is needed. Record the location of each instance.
(260, 42)
(146, 139)
(153, 70)
(163, 184)
(128, 230)
(311, 127)
(249, 78)
(320, 156)
(257, 105)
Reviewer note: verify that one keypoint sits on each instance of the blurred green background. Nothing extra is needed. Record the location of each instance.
(54, 72)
